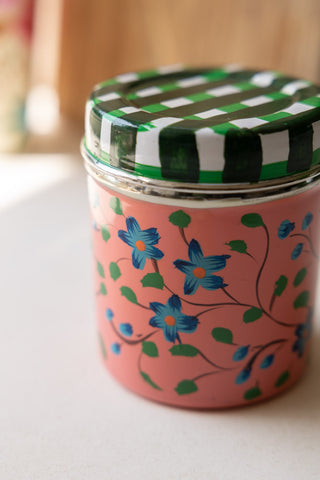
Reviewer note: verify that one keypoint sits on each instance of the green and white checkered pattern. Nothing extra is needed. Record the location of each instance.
(144, 112)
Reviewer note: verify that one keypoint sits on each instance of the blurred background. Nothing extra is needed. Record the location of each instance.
(53, 51)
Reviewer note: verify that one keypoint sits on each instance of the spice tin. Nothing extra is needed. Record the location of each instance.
(205, 201)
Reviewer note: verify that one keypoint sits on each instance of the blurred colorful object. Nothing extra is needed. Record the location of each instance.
(15, 37)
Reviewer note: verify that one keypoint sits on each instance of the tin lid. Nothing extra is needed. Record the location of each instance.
(206, 126)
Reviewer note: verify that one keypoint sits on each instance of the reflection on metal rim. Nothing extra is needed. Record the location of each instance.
(198, 195)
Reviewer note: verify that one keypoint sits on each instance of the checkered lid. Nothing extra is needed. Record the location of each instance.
(221, 125)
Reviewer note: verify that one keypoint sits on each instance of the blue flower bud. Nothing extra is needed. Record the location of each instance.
(240, 353)
(109, 314)
(307, 220)
(126, 329)
(285, 229)
(267, 361)
(243, 376)
(296, 252)
(116, 348)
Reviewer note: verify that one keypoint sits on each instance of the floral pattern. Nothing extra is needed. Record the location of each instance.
(167, 319)
(141, 241)
(198, 271)
(171, 320)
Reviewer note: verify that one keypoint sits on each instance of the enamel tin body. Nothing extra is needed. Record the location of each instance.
(206, 235)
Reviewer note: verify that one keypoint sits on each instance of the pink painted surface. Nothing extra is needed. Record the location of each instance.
(228, 357)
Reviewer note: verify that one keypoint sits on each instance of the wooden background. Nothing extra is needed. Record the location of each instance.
(101, 38)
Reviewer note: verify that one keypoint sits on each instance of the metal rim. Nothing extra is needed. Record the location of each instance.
(160, 191)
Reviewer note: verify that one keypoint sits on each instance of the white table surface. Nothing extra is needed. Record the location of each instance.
(62, 416)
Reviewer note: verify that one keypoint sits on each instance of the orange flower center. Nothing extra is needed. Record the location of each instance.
(199, 272)
(140, 245)
(170, 320)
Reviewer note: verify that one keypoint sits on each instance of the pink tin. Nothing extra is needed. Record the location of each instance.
(205, 202)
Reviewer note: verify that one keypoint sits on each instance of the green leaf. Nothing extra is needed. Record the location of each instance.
(129, 294)
(180, 219)
(184, 350)
(103, 289)
(252, 315)
(222, 335)
(301, 300)
(299, 277)
(282, 378)
(102, 346)
(150, 349)
(115, 204)
(252, 220)
(154, 280)
(146, 377)
(238, 246)
(185, 387)
(105, 233)
(114, 271)
(252, 393)
(100, 270)
(280, 285)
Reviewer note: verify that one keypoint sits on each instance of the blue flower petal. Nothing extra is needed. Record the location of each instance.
(307, 220)
(214, 263)
(240, 353)
(191, 285)
(296, 252)
(158, 308)
(285, 229)
(109, 314)
(126, 329)
(116, 348)
(138, 259)
(174, 303)
(126, 237)
(243, 376)
(149, 236)
(133, 226)
(212, 282)
(156, 322)
(170, 332)
(153, 252)
(184, 266)
(186, 324)
(195, 252)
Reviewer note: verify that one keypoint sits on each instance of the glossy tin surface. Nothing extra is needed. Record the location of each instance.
(205, 290)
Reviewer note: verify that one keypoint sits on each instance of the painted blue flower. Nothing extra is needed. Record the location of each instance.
(141, 241)
(285, 229)
(303, 334)
(170, 318)
(198, 270)
(126, 329)
(109, 314)
(296, 252)
(116, 348)
(307, 220)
